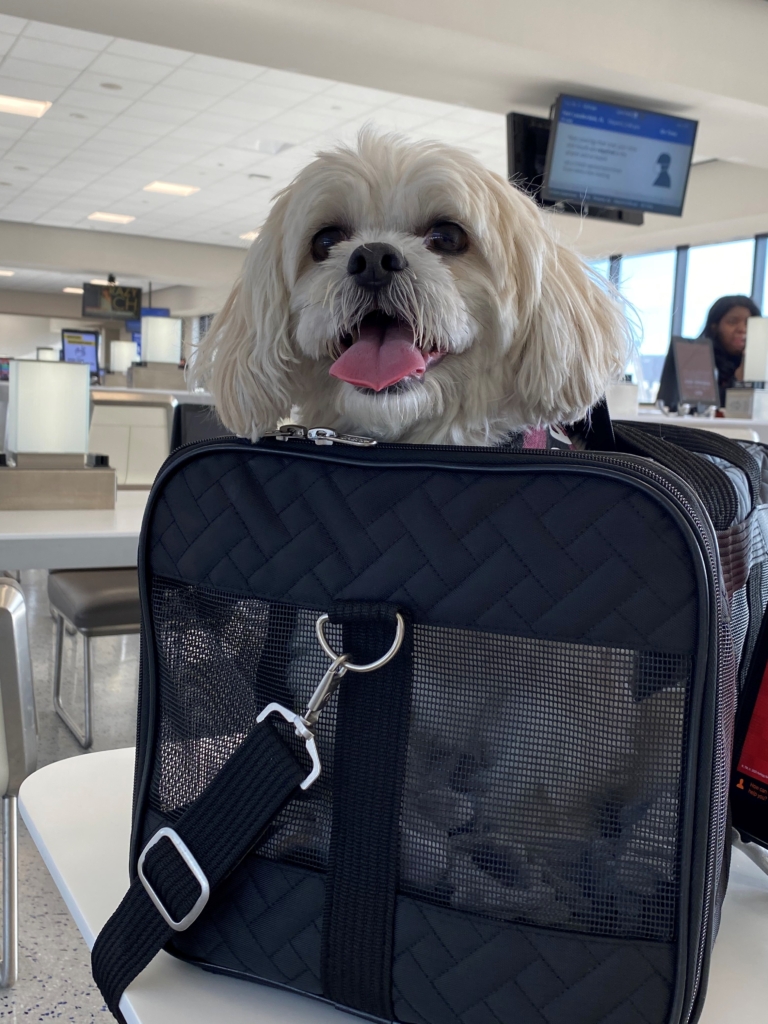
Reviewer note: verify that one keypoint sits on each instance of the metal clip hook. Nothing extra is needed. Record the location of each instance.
(303, 723)
(340, 665)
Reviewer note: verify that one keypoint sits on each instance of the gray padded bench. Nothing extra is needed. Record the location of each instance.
(94, 602)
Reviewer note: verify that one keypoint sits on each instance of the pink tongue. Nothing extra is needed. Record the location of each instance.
(382, 355)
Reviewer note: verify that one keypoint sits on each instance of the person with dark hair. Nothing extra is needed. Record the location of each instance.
(726, 327)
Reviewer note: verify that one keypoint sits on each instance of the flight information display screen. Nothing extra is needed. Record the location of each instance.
(616, 156)
(81, 347)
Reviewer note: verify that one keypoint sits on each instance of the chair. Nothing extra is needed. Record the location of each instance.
(94, 602)
(195, 422)
(18, 753)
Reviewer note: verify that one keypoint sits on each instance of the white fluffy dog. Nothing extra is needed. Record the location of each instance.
(403, 291)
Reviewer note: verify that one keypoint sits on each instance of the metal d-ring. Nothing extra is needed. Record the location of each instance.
(349, 666)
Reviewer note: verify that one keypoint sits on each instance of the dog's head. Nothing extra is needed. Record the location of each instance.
(404, 291)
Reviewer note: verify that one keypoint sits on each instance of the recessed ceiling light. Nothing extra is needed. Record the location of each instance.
(100, 280)
(73, 291)
(7, 273)
(112, 218)
(26, 108)
(169, 188)
(111, 85)
(249, 236)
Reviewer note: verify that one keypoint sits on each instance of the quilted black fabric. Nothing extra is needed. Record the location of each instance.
(554, 555)
(449, 968)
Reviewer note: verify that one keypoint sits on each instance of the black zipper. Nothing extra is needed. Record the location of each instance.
(644, 467)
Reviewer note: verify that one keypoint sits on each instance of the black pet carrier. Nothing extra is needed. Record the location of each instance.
(517, 816)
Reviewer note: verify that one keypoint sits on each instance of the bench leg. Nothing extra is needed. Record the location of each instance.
(85, 739)
(9, 969)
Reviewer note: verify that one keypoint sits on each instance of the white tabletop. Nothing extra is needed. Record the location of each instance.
(648, 414)
(73, 539)
(79, 814)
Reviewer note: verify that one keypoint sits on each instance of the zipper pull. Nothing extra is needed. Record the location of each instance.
(324, 435)
(288, 432)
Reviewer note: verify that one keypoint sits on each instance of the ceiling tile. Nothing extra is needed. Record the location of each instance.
(11, 25)
(29, 90)
(143, 125)
(359, 94)
(182, 98)
(102, 101)
(126, 67)
(215, 126)
(45, 52)
(147, 51)
(6, 41)
(172, 117)
(262, 94)
(199, 81)
(230, 68)
(64, 116)
(295, 80)
(66, 36)
(34, 71)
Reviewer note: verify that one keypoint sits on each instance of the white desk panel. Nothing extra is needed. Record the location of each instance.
(79, 813)
(73, 539)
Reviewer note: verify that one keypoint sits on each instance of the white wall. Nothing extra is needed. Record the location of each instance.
(20, 336)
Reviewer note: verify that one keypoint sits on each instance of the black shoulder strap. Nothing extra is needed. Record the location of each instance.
(182, 865)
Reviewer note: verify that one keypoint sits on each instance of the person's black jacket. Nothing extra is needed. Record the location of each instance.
(727, 365)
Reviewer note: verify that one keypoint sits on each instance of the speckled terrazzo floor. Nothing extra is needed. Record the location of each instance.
(55, 981)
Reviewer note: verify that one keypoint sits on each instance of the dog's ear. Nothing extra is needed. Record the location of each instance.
(245, 358)
(571, 336)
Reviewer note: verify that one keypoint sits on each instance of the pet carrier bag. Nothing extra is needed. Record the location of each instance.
(728, 476)
(437, 735)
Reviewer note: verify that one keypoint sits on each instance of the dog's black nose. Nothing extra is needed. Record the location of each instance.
(373, 265)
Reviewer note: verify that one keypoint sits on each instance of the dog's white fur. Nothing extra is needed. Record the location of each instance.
(531, 338)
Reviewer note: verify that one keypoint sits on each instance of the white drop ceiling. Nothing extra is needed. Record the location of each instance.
(126, 114)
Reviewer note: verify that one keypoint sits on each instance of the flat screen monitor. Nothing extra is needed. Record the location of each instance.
(617, 156)
(5, 367)
(111, 302)
(81, 347)
(688, 376)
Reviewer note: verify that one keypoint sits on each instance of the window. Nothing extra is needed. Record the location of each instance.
(601, 267)
(647, 283)
(715, 270)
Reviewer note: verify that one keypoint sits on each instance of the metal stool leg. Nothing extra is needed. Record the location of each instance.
(9, 969)
(85, 739)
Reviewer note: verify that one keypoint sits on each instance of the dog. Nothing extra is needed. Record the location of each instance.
(403, 291)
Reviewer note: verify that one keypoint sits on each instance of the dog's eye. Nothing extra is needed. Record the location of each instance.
(447, 237)
(324, 241)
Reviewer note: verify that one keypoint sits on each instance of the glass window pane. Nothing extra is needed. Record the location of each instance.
(601, 267)
(648, 283)
(715, 270)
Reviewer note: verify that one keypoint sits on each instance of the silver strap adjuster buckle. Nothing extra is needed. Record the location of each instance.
(199, 875)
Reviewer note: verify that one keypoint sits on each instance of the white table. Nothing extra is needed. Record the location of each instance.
(78, 812)
(73, 539)
(646, 415)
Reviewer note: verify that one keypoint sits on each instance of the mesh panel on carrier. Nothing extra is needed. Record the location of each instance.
(542, 780)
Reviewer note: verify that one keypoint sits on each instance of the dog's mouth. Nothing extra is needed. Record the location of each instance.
(383, 354)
